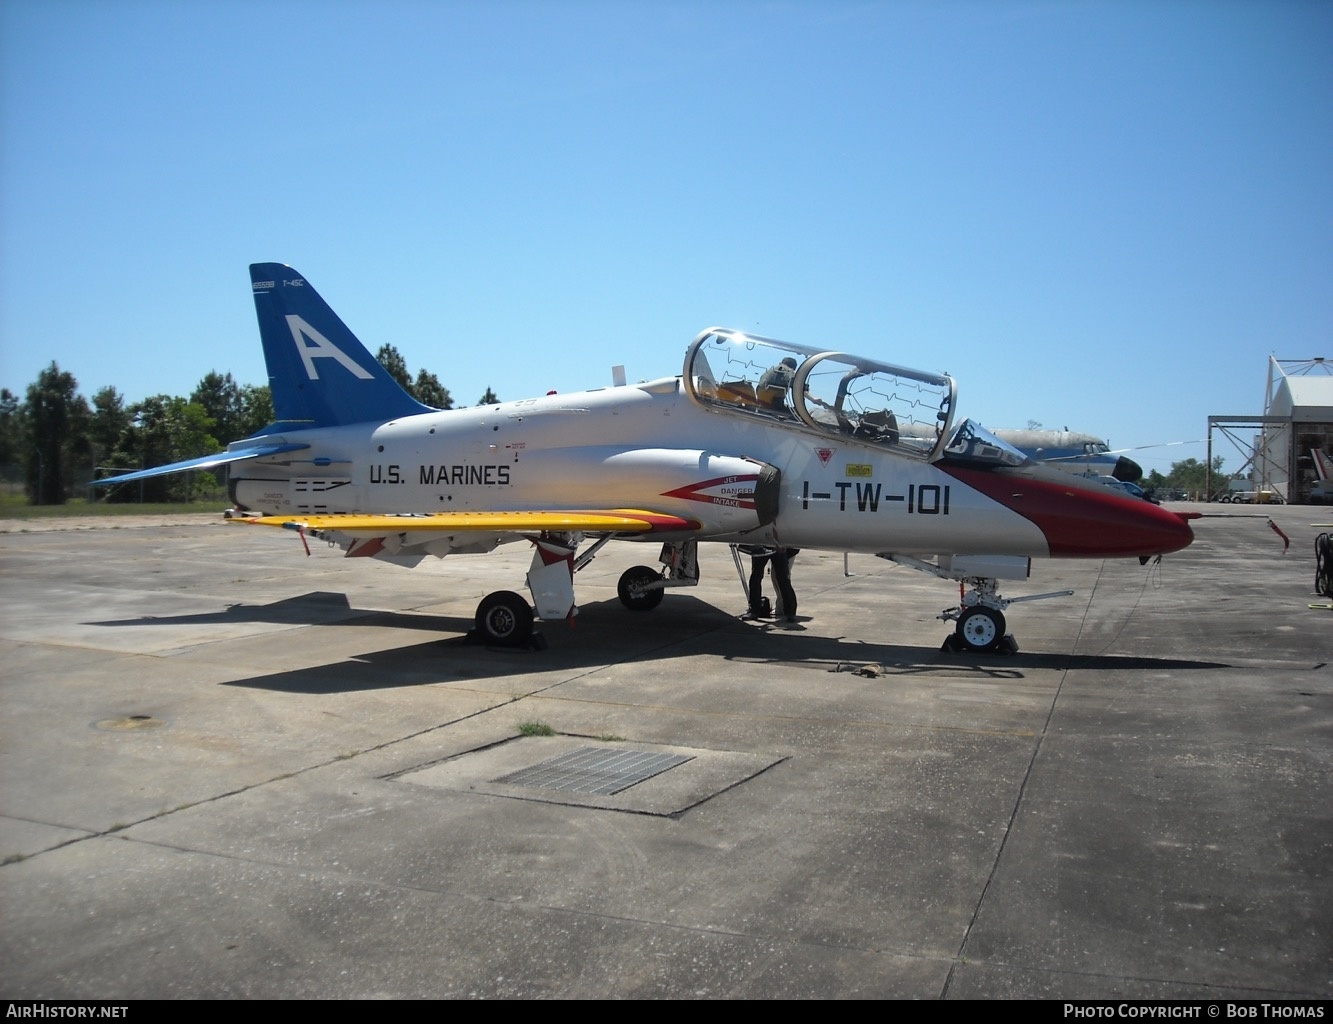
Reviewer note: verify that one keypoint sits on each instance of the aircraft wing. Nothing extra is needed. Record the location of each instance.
(618, 520)
(205, 462)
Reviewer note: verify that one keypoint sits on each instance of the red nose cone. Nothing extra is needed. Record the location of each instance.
(1079, 520)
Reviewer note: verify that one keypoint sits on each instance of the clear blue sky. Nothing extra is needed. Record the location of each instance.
(1101, 215)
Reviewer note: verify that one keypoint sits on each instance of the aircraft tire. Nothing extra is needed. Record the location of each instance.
(632, 594)
(504, 618)
(980, 629)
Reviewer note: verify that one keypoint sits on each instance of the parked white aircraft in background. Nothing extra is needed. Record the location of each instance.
(757, 441)
(1073, 452)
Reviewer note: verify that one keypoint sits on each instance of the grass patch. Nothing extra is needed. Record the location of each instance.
(22, 510)
(535, 729)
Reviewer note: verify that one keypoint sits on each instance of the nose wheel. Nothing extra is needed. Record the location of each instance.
(980, 629)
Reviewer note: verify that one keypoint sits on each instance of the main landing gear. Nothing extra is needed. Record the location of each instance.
(641, 588)
(505, 619)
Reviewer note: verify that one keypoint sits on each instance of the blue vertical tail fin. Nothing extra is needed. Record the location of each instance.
(320, 375)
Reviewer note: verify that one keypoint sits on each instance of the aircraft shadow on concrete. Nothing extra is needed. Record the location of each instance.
(687, 627)
(889, 660)
(318, 608)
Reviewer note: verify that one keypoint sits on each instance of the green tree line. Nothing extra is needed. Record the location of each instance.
(60, 441)
(1189, 477)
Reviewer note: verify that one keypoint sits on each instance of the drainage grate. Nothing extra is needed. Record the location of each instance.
(594, 770)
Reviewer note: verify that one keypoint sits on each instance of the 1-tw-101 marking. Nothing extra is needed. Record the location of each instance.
(921, 499)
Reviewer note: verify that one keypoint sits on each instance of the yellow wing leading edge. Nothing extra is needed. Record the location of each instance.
(620, 520)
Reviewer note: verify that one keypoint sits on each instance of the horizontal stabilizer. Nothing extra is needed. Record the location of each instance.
(619, 520)
(204, 462)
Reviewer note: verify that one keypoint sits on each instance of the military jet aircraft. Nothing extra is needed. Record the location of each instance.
(757, 441)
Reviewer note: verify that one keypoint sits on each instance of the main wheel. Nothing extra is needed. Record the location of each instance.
(504, 618)
(633, 591)
(980, 628)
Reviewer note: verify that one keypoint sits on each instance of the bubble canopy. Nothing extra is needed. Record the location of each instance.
(974, 445)
(833, 393)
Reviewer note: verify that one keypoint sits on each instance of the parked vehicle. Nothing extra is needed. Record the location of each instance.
(1123, 486)
(1241, 491)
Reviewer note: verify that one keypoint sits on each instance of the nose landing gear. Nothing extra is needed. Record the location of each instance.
(980, 618)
